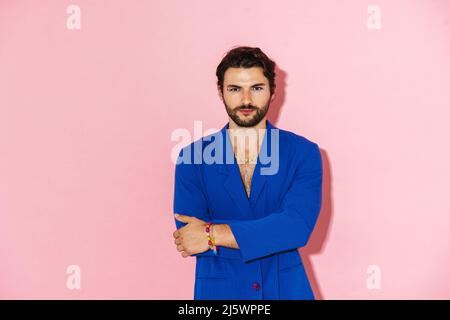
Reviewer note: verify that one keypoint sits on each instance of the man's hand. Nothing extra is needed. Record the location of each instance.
(192, 238)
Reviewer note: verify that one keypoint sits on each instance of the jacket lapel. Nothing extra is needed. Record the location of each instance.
(233, 182)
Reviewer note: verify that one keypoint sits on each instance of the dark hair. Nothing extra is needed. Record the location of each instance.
(246, 57)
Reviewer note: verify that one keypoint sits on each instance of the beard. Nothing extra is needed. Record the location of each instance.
(250, 120)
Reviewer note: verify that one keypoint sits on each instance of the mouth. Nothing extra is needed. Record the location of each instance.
(246, 111)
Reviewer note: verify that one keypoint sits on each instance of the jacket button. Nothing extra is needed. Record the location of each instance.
(256, 286)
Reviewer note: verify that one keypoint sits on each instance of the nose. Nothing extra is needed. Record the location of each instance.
(246, 98)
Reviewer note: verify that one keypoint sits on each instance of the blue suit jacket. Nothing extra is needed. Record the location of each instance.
(269, 226)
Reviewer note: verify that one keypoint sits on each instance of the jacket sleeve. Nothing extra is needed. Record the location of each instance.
(189, 197)
(291, 225)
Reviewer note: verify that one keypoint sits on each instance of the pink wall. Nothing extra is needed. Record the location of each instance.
(86, 117)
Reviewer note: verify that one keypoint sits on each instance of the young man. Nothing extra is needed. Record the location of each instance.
(262, 208)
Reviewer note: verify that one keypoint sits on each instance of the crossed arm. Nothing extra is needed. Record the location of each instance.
(287, 228)
(191, 239)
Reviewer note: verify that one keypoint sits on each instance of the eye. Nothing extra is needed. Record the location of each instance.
(233, 89)
(261, 88)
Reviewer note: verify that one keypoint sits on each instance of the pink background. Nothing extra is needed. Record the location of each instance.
(86, 116)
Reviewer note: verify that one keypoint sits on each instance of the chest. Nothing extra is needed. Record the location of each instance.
(243, 191)
(246, 171)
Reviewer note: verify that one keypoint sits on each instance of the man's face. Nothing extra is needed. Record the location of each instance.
(246, 95)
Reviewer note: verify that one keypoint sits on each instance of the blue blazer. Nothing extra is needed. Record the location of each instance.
(269, 226)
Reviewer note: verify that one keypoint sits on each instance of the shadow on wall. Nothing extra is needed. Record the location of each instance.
(320, 233)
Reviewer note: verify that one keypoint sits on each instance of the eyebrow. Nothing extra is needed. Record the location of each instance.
(236, 86)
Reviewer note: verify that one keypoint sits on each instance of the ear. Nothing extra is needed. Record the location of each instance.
(272, 97)
(220, 93)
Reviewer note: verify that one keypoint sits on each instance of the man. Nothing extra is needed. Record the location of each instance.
(260, 215)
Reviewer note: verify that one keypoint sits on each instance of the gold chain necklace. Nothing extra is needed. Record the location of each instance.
(246, 164)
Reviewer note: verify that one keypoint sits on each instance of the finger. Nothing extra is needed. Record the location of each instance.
(180, 248)
(183, 218)
(176, 234)
(185, 254)
(177, 241)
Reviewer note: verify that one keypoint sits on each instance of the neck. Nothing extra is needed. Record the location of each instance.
(246, 141)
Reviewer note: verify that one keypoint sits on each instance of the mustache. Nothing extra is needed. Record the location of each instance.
(246, 107)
